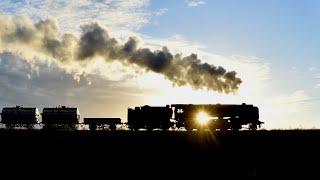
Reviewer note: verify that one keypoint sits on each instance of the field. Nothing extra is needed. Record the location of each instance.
(179, 153)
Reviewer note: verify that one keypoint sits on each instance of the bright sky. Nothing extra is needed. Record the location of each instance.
(273, 45)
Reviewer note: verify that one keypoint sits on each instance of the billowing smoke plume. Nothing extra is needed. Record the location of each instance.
(44, 37)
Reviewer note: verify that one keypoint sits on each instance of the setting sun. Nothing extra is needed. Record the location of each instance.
(203, 118)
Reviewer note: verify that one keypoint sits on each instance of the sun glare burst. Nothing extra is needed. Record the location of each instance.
(202, 118)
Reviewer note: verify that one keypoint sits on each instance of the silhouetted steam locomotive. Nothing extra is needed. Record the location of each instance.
(194, 116)
(174, 116)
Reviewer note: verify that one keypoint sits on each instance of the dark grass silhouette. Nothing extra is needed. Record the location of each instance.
(143, 154)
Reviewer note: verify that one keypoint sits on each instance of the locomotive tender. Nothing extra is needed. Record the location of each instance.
(147, 117)
(189, 116)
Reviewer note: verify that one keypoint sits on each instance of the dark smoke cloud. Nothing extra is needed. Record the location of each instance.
(44, 37)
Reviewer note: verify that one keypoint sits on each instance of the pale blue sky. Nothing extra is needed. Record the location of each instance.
(283, 32)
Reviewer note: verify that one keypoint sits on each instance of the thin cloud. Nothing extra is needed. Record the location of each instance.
(195, 3)
(161, 11)
(293, 69)
(115, 14)
(288, 110)
(313, 68)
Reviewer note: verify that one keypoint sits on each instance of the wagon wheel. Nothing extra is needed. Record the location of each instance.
(253, 126)
(92, 127)
(112, 127)
(188, 127)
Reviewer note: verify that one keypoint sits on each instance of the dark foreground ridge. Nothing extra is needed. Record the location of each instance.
(91, 154)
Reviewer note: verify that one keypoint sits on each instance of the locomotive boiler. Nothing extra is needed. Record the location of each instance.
(216, 116)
